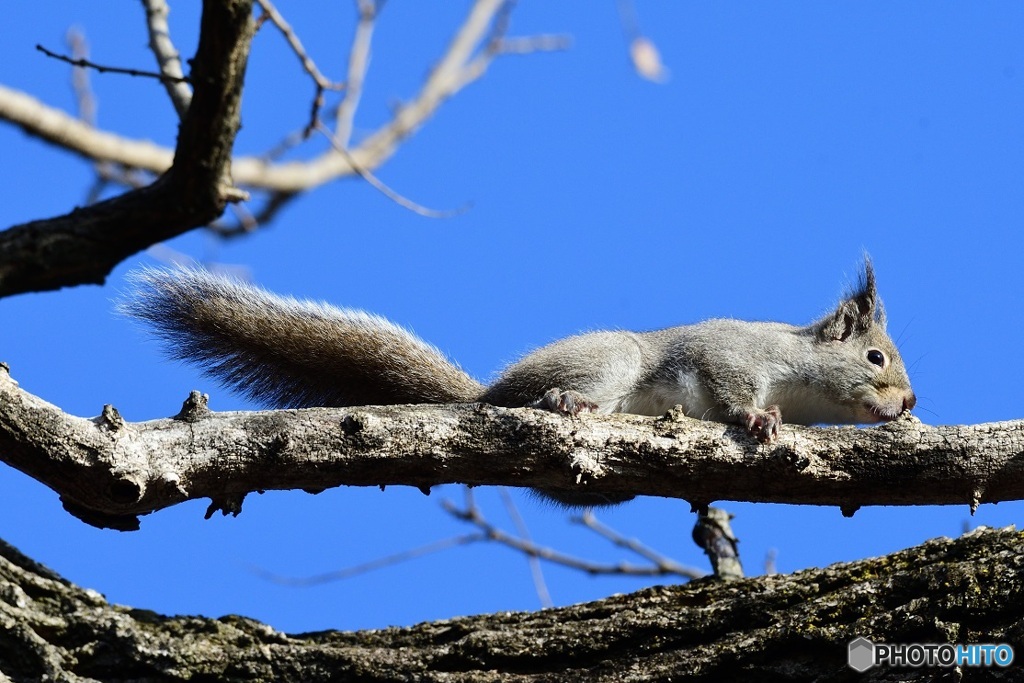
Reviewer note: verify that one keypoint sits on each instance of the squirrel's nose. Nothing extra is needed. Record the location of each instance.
(909, 402)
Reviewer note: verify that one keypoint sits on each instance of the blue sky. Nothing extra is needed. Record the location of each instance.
(792, 137)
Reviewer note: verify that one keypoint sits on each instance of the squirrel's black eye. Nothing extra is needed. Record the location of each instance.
(876, 357)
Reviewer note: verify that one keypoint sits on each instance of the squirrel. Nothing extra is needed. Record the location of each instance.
(286, 353)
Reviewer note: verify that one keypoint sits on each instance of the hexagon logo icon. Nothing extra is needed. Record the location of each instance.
(861, 654)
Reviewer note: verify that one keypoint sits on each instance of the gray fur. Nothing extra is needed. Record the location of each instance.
(725, 370)
(286, 353)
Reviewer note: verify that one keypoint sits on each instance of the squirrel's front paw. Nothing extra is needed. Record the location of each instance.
(764, 425)
(567, 402)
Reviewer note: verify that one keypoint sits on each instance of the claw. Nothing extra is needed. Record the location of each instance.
(566, 402)
(764, 425)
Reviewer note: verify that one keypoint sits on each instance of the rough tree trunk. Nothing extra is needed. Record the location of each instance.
(775, 628)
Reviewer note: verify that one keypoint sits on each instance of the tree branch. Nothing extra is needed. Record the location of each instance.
(167, 57)
(778, 628)
(65, 131)
(308, 65)
(84, 245)
(460, 66)
(83, 63)
(358, 63)
(108, 471)
(523, 544)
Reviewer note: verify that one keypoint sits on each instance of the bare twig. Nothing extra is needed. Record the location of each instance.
(358, 63)
(287, 144)
(84, 97)
(322, 82)
(473, 515)
(460, 65)
(84, 245)
(63, 130)
(247, 220)
(86, 64)
(535, 569)
(310, 67)
(314, 112)
(379, 185)
(372, 565)
(107, 173)
(498, 43)
(523, 45)
(670, 566)
(167, 57)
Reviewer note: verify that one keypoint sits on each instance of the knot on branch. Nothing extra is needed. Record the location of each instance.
(352, 424)
(195, 408)
(126, 489)
(172, 480)
(230, 504)
(790, 458)
(111, 420)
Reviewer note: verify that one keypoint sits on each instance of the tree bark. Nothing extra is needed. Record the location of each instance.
(772, 628)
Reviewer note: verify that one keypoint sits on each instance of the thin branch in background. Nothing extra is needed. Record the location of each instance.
(96, 190)
(286, 30)
(535, 569)
(472, 515)
(248, 221)
(497, 43)
(358, 63)
(86, 64)
(287, 144)
(85, 100)
(370, 566)
(168, 58)
(523, 45)
(670, 566)
(488, 532)
(107, 173)
(642, 52)
(381, 187)
(321, 82)
(314, 112)
(499, 26)
(463, 61)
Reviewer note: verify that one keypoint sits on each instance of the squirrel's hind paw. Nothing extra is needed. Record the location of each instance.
(764, 425)
(567, 402)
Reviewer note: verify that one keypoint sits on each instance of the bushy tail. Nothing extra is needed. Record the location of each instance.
(286, 353)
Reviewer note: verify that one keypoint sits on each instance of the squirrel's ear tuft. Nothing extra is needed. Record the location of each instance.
(857, 313)
(866, 295)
